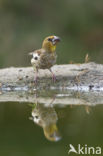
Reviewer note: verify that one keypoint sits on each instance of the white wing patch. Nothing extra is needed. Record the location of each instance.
(36, 56)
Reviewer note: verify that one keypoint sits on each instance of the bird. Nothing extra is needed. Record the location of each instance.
(45, 57)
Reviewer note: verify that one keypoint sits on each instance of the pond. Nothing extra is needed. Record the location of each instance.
(51, 125)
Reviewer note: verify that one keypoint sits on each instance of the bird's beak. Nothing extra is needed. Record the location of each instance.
(56, 39)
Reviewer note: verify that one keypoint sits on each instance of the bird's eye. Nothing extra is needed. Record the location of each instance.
(50, 39)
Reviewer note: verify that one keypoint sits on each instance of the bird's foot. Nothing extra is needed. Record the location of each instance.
(54, 78)
(36, 80)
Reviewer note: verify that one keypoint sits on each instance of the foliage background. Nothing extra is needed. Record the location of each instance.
(25, 23)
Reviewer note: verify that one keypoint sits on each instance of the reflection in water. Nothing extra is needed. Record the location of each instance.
(18, 137)
(44, 114)
(87, 109)
(46, 117)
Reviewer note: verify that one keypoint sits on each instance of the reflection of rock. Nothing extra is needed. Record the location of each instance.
(46, 117)
(62, 97)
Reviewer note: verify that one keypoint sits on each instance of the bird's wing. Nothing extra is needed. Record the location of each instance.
(39, 51)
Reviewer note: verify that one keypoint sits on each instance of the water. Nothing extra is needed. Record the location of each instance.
(50, 126)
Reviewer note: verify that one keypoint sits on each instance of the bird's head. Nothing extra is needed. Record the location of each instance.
(49, 43)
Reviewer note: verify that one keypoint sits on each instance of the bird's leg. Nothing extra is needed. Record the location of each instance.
(36, 76)
(53, 75)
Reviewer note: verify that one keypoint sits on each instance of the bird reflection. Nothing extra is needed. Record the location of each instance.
(87, 109)
(46, 117)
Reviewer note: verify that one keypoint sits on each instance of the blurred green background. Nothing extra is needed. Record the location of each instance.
(25, 23)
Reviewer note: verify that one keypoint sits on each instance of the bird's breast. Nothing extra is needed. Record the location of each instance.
(47, 60)
(43, 61)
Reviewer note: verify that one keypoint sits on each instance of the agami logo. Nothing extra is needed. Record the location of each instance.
(85, 150)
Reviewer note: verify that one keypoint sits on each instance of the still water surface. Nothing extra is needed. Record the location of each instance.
(34, 129)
